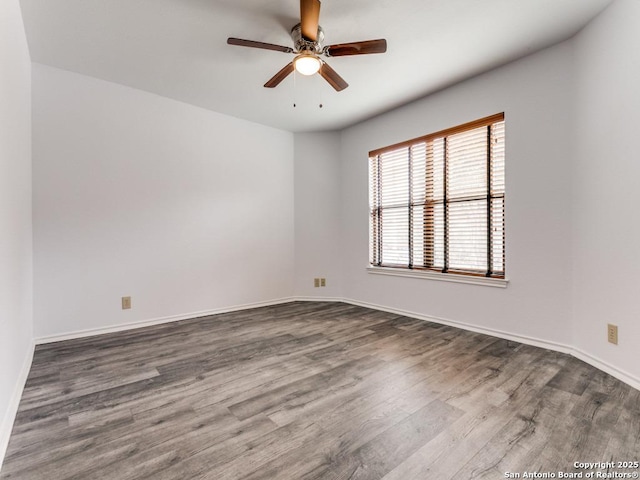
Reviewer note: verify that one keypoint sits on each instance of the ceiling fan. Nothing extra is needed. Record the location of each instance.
(308, 39)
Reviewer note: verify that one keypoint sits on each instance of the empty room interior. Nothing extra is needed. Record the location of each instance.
(304, 240)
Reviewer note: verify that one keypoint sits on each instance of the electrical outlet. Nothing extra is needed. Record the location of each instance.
(612, 333)
(126, 303)
(323, 282)
(316, 282)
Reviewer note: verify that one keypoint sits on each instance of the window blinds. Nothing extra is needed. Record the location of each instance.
(437, 202)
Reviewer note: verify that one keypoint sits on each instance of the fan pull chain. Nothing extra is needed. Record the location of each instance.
(294, 89)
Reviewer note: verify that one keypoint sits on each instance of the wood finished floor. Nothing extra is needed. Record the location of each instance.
(313, 391)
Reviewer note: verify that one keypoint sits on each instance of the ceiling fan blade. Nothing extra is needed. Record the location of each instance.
(309, 18)
(331, 76)
(356, 48)
(280, 76)
(265, 46)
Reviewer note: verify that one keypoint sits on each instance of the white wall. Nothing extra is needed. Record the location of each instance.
(317, 214)
(16, 281)
(183, 209)
(535, 95)
(606, 173)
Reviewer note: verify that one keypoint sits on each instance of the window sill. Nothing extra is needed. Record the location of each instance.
(442, 277)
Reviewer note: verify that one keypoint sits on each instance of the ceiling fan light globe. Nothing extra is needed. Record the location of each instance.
(307, 64)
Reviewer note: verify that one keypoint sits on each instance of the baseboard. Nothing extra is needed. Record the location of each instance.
(14, 402)
(156, 321)
(536, 342)
(319, 299)
(607, 368)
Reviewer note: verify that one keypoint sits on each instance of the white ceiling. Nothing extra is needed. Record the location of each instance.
(177, 48)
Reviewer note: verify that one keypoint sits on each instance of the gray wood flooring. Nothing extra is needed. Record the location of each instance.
(314, 391)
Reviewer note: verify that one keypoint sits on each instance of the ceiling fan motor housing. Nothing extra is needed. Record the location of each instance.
(304, 45)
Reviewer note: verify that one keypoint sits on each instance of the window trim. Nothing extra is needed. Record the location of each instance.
(460, 276)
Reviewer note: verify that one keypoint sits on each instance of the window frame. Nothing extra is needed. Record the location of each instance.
(424, 270)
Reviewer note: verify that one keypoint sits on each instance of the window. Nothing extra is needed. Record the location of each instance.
(437, 202)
